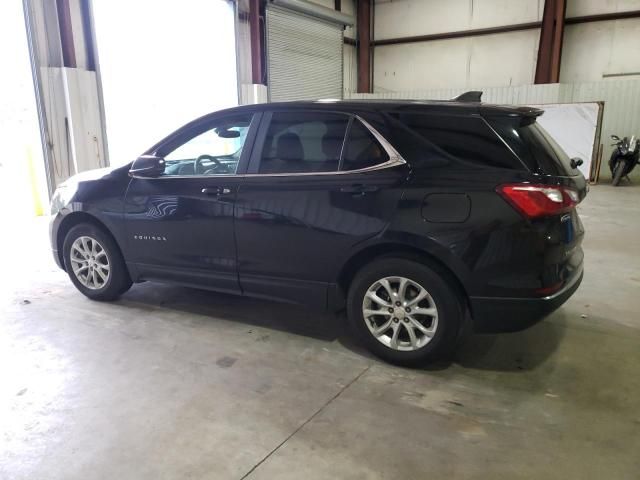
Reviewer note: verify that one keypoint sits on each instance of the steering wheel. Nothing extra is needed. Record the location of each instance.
(197, 163)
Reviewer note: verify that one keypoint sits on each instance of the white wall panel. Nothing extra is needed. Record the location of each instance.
(350, 69)
(421, 17)
(501, 59)
(74, 124)
(579, 8)
(495, 13)
(592, 50)
(424, 65)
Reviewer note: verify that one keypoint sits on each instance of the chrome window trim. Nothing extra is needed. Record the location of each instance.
(395, 159)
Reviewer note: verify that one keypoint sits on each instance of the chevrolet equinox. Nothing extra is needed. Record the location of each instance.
(415, 217)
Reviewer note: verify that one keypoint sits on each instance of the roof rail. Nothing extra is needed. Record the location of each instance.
(471, 96)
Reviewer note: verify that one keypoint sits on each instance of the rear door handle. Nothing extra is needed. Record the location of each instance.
(359, 189)
(216, 191)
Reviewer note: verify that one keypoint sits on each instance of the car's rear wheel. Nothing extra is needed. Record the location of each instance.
(94, 263)
(404, 311)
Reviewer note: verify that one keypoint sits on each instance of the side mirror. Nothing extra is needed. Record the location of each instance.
(615, 137)
(576, 162)
(147, 166)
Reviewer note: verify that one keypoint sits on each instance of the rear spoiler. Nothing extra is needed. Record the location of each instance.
(471, 96)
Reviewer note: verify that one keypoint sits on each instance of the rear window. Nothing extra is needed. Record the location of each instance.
(437, 140)
(534, 145)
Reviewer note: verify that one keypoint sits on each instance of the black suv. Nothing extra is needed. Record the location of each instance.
(410, 215)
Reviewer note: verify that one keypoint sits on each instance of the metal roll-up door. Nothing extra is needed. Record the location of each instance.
(304, 56)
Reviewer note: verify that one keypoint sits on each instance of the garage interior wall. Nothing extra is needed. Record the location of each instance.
(601, 50)
(591, 51)
(67, 88)
(458, 62)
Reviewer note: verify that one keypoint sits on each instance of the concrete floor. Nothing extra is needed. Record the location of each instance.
(177, 383)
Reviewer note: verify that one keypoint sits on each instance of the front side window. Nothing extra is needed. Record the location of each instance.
(215, 151)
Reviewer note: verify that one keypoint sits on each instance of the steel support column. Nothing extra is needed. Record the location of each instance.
(257, 47)
(550, 47)
(66, 33)
(364, 46)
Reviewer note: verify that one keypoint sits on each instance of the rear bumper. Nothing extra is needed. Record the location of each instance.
(498, 315)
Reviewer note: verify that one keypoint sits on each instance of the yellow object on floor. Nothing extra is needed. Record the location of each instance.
(33, 181)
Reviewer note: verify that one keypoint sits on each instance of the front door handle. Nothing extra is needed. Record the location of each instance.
(359, 189)
(216, 191)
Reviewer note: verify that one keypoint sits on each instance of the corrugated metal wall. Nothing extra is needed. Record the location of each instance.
(304, 56)
(621, 102)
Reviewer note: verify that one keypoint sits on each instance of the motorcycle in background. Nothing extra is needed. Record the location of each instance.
(624, 158)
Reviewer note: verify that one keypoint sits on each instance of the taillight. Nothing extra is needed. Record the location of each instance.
(535, 201)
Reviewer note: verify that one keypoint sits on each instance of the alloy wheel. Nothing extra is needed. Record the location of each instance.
(90, 262)
(400, 313)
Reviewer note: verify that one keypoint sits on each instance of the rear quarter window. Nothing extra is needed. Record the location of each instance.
(436, 140)
(362, 149)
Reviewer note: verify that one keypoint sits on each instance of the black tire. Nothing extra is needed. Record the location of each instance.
(118, 280)
(448, 301)
(618, 172)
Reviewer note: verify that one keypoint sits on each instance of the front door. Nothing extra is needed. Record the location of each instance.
(318, 185)
(180, 224)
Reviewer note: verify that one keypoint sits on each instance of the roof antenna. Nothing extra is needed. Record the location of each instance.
(471, 96)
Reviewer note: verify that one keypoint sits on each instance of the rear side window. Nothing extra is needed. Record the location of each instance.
(533, 144)
(303, 142)
(439, 139)
(314, 142)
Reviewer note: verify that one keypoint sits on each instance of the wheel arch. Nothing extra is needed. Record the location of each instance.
(373, 252)
(76, 218)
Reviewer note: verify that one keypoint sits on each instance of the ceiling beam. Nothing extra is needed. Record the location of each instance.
(458, 34)
(603, 17)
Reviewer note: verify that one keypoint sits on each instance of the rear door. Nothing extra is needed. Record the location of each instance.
(318, 184)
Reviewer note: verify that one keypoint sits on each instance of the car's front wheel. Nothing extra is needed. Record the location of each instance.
(94, 263)
(404, 311)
